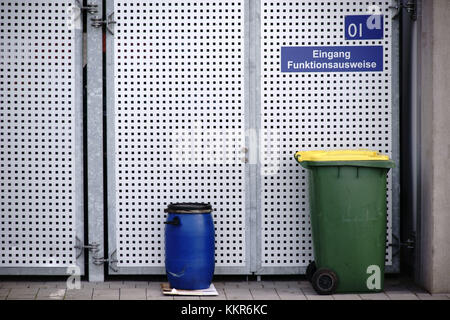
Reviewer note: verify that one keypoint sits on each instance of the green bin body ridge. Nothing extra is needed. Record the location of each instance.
(348, 220)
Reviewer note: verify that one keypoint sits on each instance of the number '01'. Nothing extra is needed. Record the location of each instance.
(353, 30)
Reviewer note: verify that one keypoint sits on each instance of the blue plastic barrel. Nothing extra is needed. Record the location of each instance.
(189, 244)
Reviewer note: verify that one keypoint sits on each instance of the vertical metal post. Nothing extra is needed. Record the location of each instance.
(395, 60)
(254, 73)
(110, 139)
(95, 144)
(408, 136)
(416, 138)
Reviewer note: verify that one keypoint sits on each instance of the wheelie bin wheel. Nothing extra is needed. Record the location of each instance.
(324, 281)
(310, 270)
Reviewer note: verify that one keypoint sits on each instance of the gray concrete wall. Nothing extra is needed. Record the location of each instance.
(434, 230)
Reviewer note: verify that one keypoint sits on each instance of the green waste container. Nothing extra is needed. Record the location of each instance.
(347, 192)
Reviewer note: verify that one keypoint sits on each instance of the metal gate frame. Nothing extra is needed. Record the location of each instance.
(395, 244)
(250, 205)
(95, 169)
(394, 267)
(78, 169)
(252, 99)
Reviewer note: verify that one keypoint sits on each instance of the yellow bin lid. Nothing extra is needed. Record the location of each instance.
(339, 155)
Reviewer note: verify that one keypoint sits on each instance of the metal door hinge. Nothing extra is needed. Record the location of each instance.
(92, 247)
(409, 5)
(409, 243)
(411, 8)
(98, 260)
(89, 8)
(97, 22)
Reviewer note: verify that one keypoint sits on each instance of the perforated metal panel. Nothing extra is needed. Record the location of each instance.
(179, 124)
(40, 136)
(314, 111)
(178, 100)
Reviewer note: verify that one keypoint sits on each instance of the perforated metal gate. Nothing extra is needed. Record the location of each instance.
(41, 192)
(188, 83)
(177, 126)
(311, 111)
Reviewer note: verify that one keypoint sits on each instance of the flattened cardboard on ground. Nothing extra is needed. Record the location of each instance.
(167, 290)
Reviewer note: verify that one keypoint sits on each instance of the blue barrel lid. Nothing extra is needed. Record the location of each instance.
(189, 207)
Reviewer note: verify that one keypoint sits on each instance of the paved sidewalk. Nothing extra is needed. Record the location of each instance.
(395, 289)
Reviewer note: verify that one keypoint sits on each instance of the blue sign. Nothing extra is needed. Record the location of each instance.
(332, 59)
(364, 27)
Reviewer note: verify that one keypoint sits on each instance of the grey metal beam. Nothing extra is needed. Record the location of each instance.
(395, 266)
(79, 165)
(95, 143)
(250, 168)
(110, 145)
(255, 112)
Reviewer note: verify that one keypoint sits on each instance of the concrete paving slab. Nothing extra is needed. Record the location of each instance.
(427, 296)
(264, 294)
(133, 293)
(402, 296)
(305, 285)
(374, 296)
(7, 284)
(252, 284)
(319, 297)
(266, 284)
(235, 284)
(147, 284)
(116, 284)
(219, 284)
(290, 294)
(44, 285)
(51, 294)
(79, 294)
(33, 284)
(15, 285)
(285, 284)
(186, 298)
(95, 285)
(106, 294)
(135, 284)
(23, 293)
(155, 293)
(64, 284)
(295, 284)
(4, 293)
(238, 294)
(312, 295)
(346, 296)
(221, 295)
